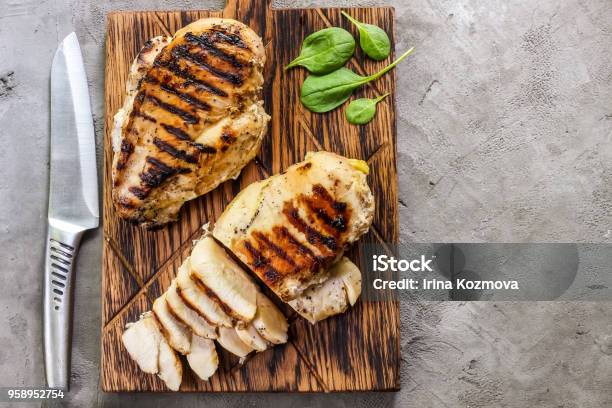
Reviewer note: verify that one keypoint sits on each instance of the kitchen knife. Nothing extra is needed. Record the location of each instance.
(73, 202)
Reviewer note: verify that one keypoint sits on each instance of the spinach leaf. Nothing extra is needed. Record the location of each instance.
(374, 40)
(361, 111)
(325, 51)
(322, 93)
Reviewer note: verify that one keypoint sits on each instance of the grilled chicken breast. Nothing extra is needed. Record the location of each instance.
(290, 228)
(192, 118)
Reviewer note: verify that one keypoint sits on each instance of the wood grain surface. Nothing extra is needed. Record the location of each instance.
(357, 351)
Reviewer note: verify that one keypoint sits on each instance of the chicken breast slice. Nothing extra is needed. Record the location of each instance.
(141, 340)
(224, 280)
(251, 337)
(229, 340)
(269, 321)
(195, 297)
(187, 315)
(290, 228)
(332, 296)
(203, 358)
(175, 332)
(170, 367)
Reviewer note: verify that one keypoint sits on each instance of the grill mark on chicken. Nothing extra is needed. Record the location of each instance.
(163, 167)
(162, 328)
(127, 149)
(259, 261)
(139, 192)
(334, 214)
(174, 152)
(142, 115)
(280, 252)
(146, 48)
(227, 138)
(212, 295)
(176, 132)
(233, 39)
(175, 315)
(125, 202)
(307, 258)
(205, 148)
(165, 84)
(157, 173)
(191, 100)
(313, 236)
(181, 51)
(321, 192)
(283, 233)
(173, 67)
(180, 134)
(175, 110)
(192, 307)
(205, 41)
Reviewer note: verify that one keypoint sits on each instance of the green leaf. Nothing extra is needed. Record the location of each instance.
(361, 111)
(322, 93)
(326, 92)
(373, 40)
(325, 51)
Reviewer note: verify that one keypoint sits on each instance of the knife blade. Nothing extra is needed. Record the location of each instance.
(73, 202)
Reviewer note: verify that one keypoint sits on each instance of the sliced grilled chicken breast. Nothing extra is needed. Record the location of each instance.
(331, 297)
(170, 367)
(192, 118)
(229, 340)
(187, 315)
(177, 334)
(269, 322)
(223, 280)
(291, 227)
(141, 340)
(252, 338)
(197, 299)
(203, 358)
(149, 349)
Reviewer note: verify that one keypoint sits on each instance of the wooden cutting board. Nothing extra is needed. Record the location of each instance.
(356, 351)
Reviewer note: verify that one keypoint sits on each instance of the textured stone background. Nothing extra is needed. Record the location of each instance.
(505, 125)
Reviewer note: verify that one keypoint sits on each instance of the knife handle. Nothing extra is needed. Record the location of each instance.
(60, 259)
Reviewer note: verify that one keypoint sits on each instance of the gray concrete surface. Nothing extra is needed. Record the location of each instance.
(505, 125)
